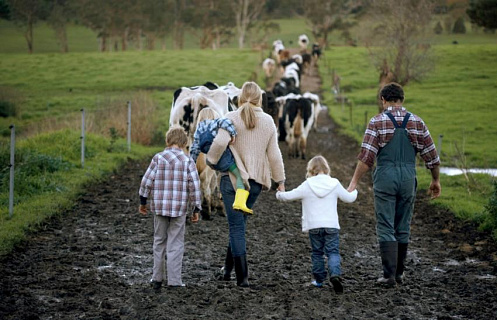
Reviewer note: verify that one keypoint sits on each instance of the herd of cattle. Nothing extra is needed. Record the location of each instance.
(294, 113)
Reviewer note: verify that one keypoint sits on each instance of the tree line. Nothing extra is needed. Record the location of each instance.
(394, 32)
(146, 23)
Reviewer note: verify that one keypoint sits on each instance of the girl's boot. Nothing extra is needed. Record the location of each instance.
(228, 265)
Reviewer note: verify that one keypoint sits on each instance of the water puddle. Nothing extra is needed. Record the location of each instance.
(456, 171)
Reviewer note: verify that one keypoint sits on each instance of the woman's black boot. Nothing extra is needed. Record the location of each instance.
(228, 265)
(241, 270)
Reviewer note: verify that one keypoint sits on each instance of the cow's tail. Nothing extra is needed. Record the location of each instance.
(198, 102)
(297, 130)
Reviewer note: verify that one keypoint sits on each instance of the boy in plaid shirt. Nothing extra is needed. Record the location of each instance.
(172, 182)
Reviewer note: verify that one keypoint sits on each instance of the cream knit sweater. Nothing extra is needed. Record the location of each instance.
(256, 151)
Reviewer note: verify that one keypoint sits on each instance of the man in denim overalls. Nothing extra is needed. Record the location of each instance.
(393, 138)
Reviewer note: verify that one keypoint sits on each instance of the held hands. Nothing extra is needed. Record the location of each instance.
(143, 209)
(352, 186)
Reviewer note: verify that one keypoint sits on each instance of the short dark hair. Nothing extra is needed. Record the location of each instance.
(392, 92)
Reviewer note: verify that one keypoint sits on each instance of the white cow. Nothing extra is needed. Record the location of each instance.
(233, 92)
(268, 65)
(303, 42)
(277, 47)
(298, 58)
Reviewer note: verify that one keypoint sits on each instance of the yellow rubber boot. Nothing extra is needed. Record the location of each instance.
(241, 201)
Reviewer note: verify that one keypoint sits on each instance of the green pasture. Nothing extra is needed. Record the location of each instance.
(457, 100)
(49, 177)
(48, 87)
(52, 85)
(48, 174)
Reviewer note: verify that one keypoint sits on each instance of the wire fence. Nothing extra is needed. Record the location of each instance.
(96, 114)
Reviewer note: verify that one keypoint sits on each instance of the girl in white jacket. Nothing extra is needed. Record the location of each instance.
(319, 194)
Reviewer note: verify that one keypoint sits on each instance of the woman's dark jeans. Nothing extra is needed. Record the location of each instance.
(237, 220)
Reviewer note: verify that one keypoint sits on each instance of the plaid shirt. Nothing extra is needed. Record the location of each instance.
(380, 131)
(213, 127)
(173, 180)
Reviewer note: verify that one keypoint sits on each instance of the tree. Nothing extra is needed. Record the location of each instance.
(25, 13)
(60, 12)
(156, 21)
(396, 39)
(211, 20)
(483, 13)
(246, 13)
(459, 26)
(179, 23)
(438, 28)
(96, 15)
(324, 16)
(4, 10)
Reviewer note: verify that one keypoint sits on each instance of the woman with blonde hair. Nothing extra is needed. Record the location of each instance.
(208, 124)
(258, 158)
(319, 194)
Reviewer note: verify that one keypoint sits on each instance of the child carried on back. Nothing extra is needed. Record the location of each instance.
(208, 124)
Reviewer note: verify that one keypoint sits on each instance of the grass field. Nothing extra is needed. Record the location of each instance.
(52, 86)
(49, 89)
(457, 101)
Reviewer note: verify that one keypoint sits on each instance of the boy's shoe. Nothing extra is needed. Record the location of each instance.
(337, 285)
(317, 284)
(156, 285)
(177, 286)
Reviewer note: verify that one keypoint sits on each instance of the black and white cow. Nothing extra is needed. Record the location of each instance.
(298, 119)
(316, 51)
(293, 71)
(270, 107)
(188, 102)
(285, 86)
(317, 106)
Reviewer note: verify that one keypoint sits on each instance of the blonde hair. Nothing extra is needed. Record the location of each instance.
(176, 135)
(317, 165)
(207, 113)
(251, 96)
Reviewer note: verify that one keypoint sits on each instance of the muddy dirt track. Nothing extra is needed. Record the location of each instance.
(95, 261)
